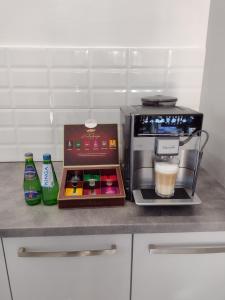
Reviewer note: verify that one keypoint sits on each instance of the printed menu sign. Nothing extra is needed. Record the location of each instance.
(90, 146)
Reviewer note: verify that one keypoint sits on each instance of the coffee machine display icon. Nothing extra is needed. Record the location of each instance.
(162, 149)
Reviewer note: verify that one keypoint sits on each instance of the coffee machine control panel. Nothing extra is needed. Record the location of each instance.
(167, 146)
(155, 125)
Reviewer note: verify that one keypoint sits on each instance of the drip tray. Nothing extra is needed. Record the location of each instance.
(148, 197)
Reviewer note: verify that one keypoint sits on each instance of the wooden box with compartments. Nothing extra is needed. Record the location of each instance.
(91, 172)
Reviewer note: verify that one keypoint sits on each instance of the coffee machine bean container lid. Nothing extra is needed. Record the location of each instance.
(159, 100)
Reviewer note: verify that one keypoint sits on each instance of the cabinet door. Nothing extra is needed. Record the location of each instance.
(187, 266)
(4, 284)
(67, 268)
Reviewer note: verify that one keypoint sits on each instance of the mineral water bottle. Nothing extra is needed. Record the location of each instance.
(49, 181)
(31, 184)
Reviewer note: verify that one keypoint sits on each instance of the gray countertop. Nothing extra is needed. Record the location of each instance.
(18, 219)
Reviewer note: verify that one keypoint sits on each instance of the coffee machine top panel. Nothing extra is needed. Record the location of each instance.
(158, 110)
(155, 121)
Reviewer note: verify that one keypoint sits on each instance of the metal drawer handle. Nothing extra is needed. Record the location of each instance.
(198, 249)
(23, 252)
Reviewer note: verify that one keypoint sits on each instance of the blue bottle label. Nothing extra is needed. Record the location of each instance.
(29, 173)
(47, 180)
(31, 195)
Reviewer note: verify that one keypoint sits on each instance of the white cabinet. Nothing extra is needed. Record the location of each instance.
(58, 268)
(180, 266)
(4, 284)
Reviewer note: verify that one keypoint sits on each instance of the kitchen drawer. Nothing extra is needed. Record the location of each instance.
(179, 266)
(50, 268)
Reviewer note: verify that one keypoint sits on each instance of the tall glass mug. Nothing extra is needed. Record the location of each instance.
(166, 170)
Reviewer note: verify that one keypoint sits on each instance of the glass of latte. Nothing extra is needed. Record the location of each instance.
(165, 177)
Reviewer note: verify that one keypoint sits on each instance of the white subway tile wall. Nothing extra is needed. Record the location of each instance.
(111, 78)
(69, 58)
(31, 98)
(28, 58)
(144, 58)
(70, 98)
(4, 78)
(108, 58)
(8, 136)
(147, 78)
(106, 115)
(109, 98)
(5, 98)
(41, 89)
(70, 78)
(3, 60)
(25, 78)
(6, 118)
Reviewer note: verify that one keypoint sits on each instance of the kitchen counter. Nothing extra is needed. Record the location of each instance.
(19, 219)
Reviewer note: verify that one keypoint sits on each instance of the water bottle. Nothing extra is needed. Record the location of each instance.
(49, 183)
(31, 184)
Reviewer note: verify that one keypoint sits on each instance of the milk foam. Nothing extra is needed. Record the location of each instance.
(166, 168)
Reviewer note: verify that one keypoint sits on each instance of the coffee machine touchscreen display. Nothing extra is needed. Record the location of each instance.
(145, 125)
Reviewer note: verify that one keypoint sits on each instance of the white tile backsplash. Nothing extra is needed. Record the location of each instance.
(59, 135)
(6, 117)
(7, 135)
(35, 135)
(69, 78)
(70, 98)
(59, 152)
(106, 115)
(69, 58)
(29, 78)
(31, 98)
(185, 96)
(23, 57)
(3, 58)
(4, 78)
(148, 79)
(109, 98)
(184, 78)
(149, 58)
(115, 78)
(9, 153)
(5, 99)
(42, 88)
(29, 117)
(108, 58)
(70, 116)
(187, 58)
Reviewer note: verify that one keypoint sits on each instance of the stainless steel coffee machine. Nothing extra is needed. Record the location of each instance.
(159, 128)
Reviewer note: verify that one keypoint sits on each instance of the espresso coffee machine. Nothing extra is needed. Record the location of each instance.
(160, 128)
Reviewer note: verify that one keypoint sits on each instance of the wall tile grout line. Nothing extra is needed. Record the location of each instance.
(127, 67)
(51, 100)
(13, 104)
(90, 94)
(169, 62)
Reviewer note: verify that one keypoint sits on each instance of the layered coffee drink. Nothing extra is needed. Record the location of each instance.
(165, 178)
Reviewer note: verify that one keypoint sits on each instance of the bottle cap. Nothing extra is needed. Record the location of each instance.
(28, 155)
(46, 156)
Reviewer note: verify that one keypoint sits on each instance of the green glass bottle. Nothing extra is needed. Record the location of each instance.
(31, 183)
(49, 183)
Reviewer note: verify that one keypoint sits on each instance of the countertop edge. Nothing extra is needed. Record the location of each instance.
(112, 229)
